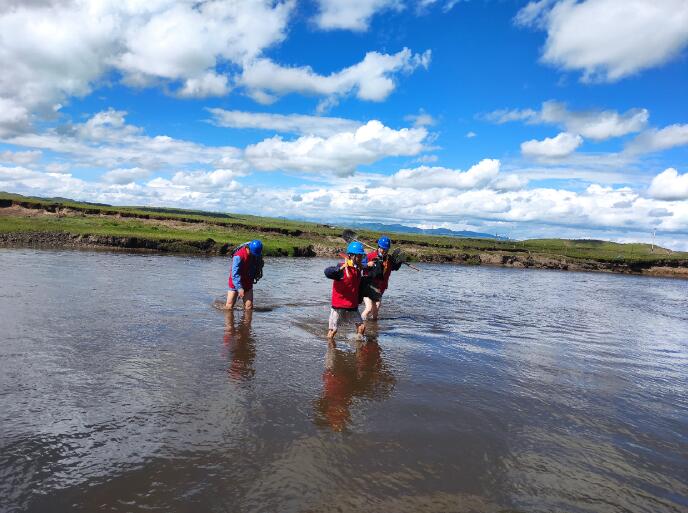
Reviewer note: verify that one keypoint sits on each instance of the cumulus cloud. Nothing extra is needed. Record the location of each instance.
(356, 14)
(596, 125)
(209, 84)
(591, 124)
(291, 123)
(552, 147)
(124, 176)
(54, 50)
(608, 39)
(106, 141)
(20, 157)
(371, 79)
(669, 185)
(657, 140)
(425, 177)
(340, 153)
(351, 14)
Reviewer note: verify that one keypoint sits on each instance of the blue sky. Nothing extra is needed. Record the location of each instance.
(555, 118)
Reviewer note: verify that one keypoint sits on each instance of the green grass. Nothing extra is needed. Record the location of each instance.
(285, 237)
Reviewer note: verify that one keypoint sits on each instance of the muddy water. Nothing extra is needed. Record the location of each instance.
(480, 389)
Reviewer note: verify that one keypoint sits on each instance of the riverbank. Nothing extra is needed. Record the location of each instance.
(35, 222)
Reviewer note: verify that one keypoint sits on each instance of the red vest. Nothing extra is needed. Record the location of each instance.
(382, 282)
(345, 291)
(245, 268)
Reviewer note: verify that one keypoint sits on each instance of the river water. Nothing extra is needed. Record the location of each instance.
(480, 389)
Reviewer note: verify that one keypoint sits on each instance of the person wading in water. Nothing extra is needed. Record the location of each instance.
(345, 290)
(373, 291)
(246, 270)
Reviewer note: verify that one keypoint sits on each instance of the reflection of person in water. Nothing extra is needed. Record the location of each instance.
(348, 375)
(242, 348)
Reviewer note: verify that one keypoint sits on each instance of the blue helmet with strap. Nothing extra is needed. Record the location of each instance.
(384, 242)
(355, 248)
(255, 247)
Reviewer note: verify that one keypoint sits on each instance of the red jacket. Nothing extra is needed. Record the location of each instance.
(246, 269)
(383, 281)
(347, 281)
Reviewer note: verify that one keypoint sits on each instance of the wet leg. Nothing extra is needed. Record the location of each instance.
(369, 307)
(248, 300)
(232, 296)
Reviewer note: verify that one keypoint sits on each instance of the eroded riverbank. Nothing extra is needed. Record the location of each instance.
(210, 247)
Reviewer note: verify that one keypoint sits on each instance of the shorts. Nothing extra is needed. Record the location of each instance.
(371, 291)
(338, 315)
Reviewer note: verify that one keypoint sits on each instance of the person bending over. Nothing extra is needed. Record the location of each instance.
(246, 270)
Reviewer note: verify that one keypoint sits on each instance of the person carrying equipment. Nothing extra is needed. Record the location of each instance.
(345, 290)
(372, 294)
(246, 270)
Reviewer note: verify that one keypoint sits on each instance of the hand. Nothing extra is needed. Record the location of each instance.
(371, 263)
(241, 293)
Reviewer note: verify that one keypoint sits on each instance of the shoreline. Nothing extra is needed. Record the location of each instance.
(211, 248)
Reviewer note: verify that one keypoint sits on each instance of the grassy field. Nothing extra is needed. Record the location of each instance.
(20, 214)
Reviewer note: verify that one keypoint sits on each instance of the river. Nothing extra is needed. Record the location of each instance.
(480, 389)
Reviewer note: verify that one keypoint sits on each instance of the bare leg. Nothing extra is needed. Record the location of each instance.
(369, 306)
(331, 334)
(248, 300)
(232, 296)
(376, 309)
(360, 328)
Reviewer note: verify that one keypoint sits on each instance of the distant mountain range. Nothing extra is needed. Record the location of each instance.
(400, 228)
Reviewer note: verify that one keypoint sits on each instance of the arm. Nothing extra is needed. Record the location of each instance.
(236, 277)
(375, 271)
(334, 272)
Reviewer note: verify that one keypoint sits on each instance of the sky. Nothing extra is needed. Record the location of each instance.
(550, 118)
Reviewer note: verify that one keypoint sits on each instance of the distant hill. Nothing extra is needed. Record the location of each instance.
(400, 228)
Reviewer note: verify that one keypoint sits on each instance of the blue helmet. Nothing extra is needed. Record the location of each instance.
(355, 248)
(384, 242)
(255, 247)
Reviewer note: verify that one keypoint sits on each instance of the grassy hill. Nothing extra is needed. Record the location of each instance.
(62, 222)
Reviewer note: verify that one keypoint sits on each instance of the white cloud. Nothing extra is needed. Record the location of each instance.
(351, 14)
(14, 117)
(209, 84)
(552, 147)
(50, 51)
(596, 125)
(124, 176)
(471, 134)
(208, 180)
(480, 175)
(371, 79)
(292, 123)
(107, 141)
(592, 124)
(669, 185)
(421, 119)
(609, 39)
(340, 153)
(184, 40)
(657, 140)
(20, 157)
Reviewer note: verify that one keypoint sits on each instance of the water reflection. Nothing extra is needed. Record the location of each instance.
(241, 346)
(361, 373)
